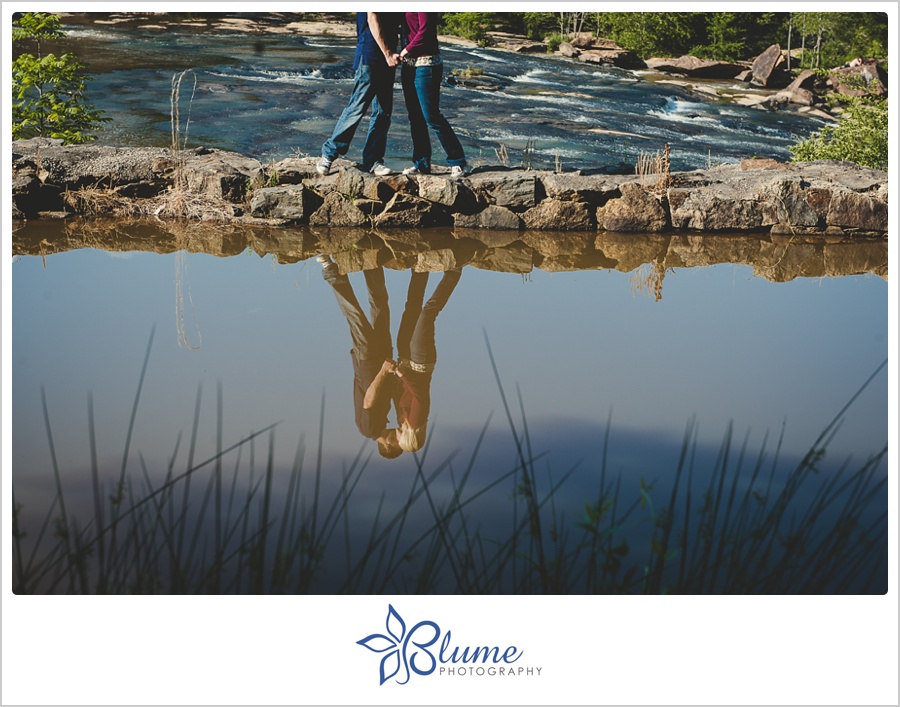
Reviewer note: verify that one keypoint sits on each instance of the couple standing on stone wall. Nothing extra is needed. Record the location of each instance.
(378, 380)
(378, 36)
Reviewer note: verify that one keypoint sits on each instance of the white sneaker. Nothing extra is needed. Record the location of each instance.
(416, 170)
(379, 170)
(457, 171)
(323, 166)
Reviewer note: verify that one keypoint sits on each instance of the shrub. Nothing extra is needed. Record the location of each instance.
(860, 136)
(553, 42)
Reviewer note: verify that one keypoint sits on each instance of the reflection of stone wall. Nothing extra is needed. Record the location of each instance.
(757, 196)
(436, 249)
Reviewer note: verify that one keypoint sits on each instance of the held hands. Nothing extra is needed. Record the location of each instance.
(392, 58)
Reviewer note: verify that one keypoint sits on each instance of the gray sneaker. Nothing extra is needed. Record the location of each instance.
(323, 166)
(379, 170)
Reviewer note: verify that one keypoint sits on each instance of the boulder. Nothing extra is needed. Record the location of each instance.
(293, 203)
(556, 215)
(293, 170)
(514, 190)
(339, 210)
(864, 79)
(492, 217)
(852, 210)
(768, 68)
(696, 67)
(218, 174)
(635, 210)
(621, 58)
(404, 211)
(355, 183)
(567, 49)
(594, 189)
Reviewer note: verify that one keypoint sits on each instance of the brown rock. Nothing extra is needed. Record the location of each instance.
(293, 202)
(404, 211)
(766, 68)
(863, 80)
(694, 66)
(338, 210)
(554, 215)
(493, 217)
(857, 211)
(635, 210)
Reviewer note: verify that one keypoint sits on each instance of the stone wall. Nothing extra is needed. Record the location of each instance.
(756, 196)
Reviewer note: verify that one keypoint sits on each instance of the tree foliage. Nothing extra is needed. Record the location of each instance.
(48, 91)
(829, 38)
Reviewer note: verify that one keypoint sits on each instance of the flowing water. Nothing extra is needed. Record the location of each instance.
(588, 374)
(273, 96)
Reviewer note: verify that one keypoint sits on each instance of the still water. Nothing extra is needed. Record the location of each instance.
(595, 375)
(183, 417)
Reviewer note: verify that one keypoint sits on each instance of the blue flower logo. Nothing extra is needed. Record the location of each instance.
(395, 644)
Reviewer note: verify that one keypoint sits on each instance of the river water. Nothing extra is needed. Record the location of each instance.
(274, 96)
(586, 375)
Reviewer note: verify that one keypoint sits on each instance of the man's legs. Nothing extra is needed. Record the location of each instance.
(360, 99)
(379, 314)
(382, 82)
(361, 331)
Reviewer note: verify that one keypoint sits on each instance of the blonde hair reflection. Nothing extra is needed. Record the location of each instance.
(411, 438)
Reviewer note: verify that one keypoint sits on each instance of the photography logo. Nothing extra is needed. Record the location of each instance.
(425, 650)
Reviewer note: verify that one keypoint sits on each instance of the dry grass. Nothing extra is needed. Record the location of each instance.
(654, 171)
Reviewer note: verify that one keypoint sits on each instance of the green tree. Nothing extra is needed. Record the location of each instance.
(468, 25)
(860, 136)
(48, 91)
(651, 33)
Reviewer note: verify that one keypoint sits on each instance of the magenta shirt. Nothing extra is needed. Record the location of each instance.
(422, 34)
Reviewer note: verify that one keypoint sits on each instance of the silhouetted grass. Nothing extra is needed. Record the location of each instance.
(744, 526)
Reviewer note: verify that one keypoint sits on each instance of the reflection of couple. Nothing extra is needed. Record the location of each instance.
(421, 76)
(378, 380)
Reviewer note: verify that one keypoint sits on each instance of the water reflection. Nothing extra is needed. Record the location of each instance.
(378, 380)
(647, 256)
(554, 499)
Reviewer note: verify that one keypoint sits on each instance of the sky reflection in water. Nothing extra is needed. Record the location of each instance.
(579, 346)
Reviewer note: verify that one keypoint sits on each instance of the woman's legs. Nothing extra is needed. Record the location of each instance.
(422, 345)
(428, 89)
(418, 128)
(415, 296)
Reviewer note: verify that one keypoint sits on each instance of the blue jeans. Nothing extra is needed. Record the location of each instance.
(373, 86)
(422, 92)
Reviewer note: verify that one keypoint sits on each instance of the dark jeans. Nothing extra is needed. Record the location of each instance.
(373, 85)
(371, 340)
(422, 93)
(415, 339)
